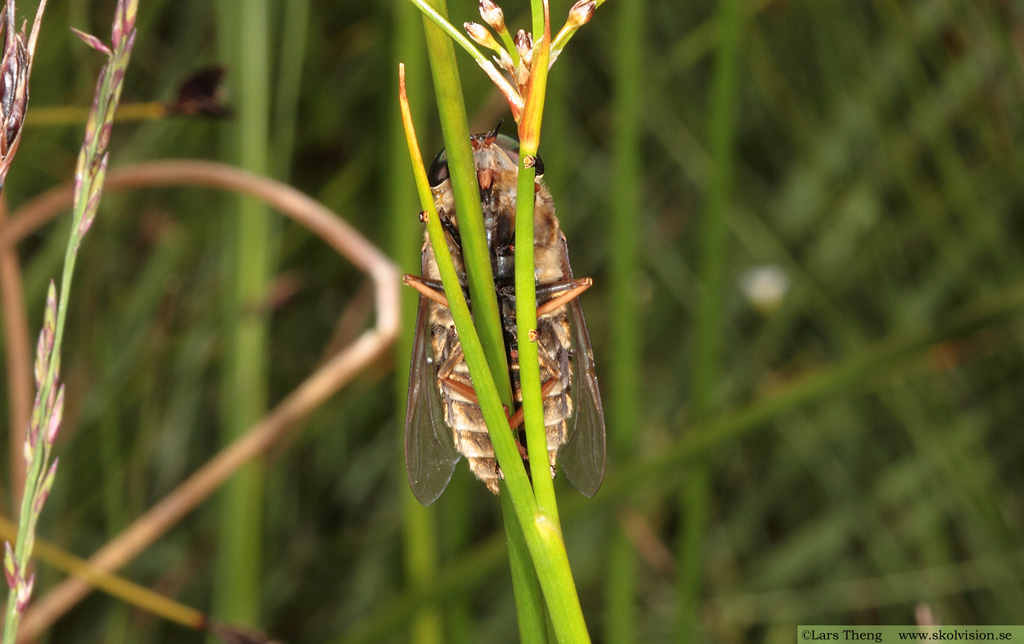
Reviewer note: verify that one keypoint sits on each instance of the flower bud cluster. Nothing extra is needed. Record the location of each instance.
(516, 55)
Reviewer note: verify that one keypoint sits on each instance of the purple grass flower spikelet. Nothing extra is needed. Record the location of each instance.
(96, 191)
(44, 489)
(32, 436)
(124, 22)
(10, 566)
(92, 41)
(130, 11)
(48, 408)
(24, 592)
(39, 371)
(51, 396)
(80, 164)
(105, 132)
(44, 346)
(28, 451)
(50, 313)
(131, 36)
(56, 416)
(117, 28)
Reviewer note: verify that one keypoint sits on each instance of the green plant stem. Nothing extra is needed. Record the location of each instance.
(510, 46)
(526, 287)
(481, 333)
(538, 10)
(546, 545)
(542, 537)
(539, 522)
(90, 176)
(437, 14)
(483, 381)
(483, 329)
(294, 33)
(708, 333)
(526, 586)
(465, 188)
(624, 242)
(419, 530)
(714, 227)
(518, 484)
(884, 359)
(248, 259)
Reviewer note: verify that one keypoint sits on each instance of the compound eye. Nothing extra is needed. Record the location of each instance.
(539, 165)
(438, 171)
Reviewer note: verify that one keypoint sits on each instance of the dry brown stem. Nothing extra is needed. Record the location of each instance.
(319, 386)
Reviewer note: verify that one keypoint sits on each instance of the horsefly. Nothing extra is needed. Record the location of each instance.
(443, 420)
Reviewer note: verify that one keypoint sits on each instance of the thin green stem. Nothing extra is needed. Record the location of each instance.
(538, 13)
(526, 586)
(249, 255)
(836, 381)
(419, 533)
(526, 285)
(510, 46)
(294, 34)
(709, 327)
(468, 211)
(624, 259)
(546, 546)
(46, 415)
(537, 515)
(483, 381)
(543, 538)
(440, 19)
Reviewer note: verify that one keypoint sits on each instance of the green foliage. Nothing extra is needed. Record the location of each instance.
(862, 452)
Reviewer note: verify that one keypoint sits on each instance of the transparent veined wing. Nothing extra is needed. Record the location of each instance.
(430, 454)
(583, 456)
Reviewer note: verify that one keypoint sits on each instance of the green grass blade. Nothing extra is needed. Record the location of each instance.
(250, 253)
(624, 419)
(419, 540)
(455, 128)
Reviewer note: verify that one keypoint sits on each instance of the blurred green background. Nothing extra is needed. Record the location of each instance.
(848, 450)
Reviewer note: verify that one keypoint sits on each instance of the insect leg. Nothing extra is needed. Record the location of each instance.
(444, 375)
(561, 293)
(516, 419)
(430, 289)
(444, 372)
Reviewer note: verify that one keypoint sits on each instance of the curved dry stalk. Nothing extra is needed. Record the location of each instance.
(18, 351)
(15, 320)
(312, 392)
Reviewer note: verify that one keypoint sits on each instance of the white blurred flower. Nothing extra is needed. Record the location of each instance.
(765, 287)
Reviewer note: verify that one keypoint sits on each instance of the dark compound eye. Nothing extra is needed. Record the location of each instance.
(539, 165)
(438, 171)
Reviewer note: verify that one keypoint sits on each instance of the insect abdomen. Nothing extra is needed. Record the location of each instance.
(462, 412)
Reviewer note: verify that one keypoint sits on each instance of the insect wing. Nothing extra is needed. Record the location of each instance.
(583, 457)
(430, 454)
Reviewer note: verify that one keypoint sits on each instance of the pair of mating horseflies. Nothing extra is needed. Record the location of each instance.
(443, 419)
